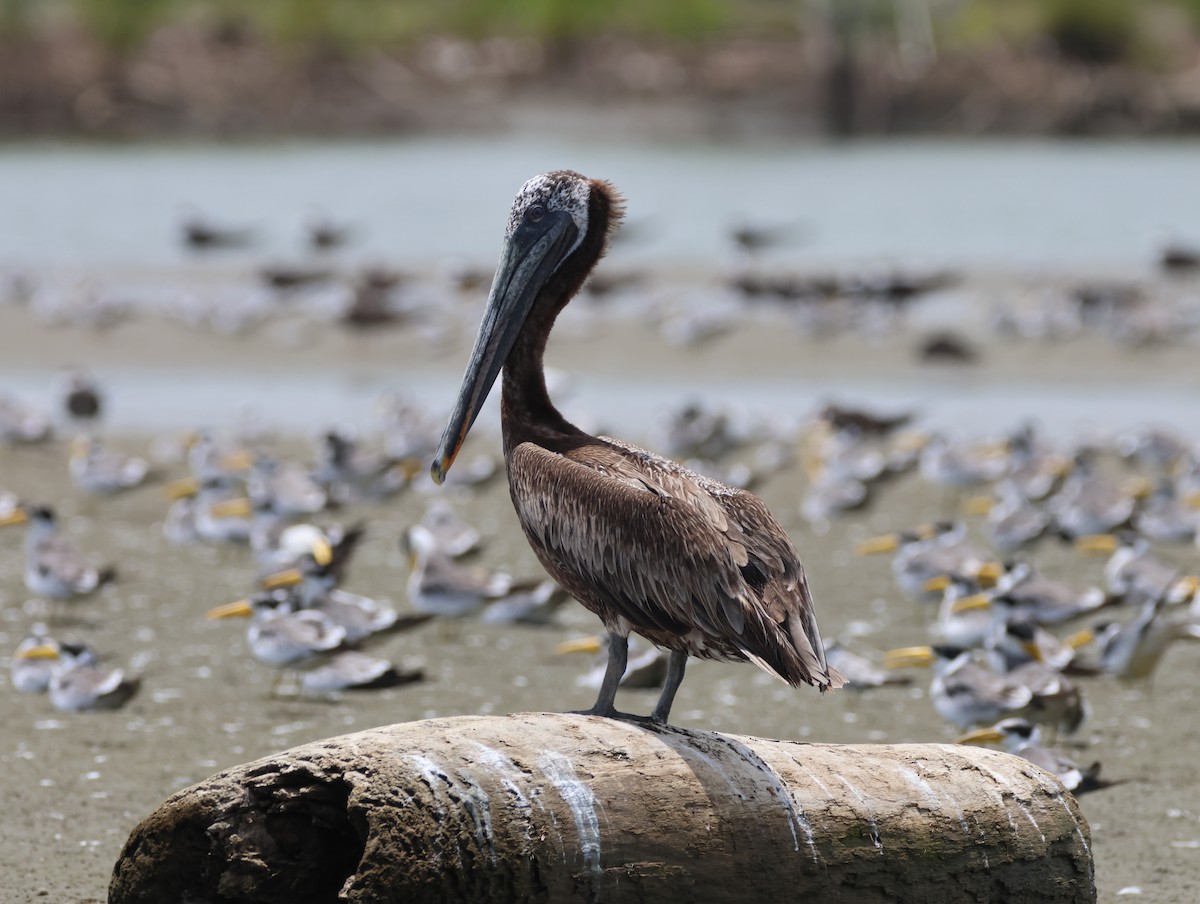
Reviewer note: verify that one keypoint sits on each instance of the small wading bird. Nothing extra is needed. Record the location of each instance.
(1023, 738)
(54, 569)
(691, 564)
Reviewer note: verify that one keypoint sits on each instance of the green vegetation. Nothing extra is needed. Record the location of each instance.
(1092, 31)
(121, 26)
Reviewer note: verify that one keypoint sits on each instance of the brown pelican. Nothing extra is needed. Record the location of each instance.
(691, 564)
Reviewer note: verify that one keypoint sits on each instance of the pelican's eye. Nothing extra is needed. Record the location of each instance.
(536, 213)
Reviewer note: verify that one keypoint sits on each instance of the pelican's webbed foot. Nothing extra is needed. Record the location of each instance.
(612, 713)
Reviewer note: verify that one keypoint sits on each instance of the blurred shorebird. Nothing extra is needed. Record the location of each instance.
(1178, 257)
(927, 558)
(752, 238)
(964, 615)
(1013, 522)
(33, 663)
(1023, 738)
(830, 495)
(1166, 516)
(354, 671)
(1133, 651)
(867, 423)
(21, 424)
(1158, 449)
(691, 564)
(72, 675)
(203, 234)
(352, 473)
(219, 514)
(99, 470)
(288, 488)
(963, 691)
(451, 534)
(440, 586)
(1092, 503)
(279, 545)
(212, 459)
(80, 683)
(82, 399)
(1042, 601)
(313, 586)
(1135, 573)
(279, 635)
(54, 568)
(526, 605)
(956, 466)
(1032, 470)
(861, 673)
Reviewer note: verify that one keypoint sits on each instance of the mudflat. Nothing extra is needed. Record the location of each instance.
(73, 785)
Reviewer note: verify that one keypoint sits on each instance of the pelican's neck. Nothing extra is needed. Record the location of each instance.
(526, 411)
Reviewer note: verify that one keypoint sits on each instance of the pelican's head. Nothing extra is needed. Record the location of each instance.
(557, 229)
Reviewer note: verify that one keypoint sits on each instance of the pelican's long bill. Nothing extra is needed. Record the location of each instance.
(530, 256)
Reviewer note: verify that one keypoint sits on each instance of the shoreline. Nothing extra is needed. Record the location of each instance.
(188, 81)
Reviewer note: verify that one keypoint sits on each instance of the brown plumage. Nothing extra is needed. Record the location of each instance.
(693, 565)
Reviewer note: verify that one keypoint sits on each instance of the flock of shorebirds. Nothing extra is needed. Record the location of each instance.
(717, 577)
(302, 621)
(319, 285)
(1002, 664)
(1000, 669)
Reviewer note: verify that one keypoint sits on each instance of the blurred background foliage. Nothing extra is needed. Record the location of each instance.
(1088, 31)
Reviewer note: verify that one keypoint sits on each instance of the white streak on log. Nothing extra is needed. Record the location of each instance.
(470, 797)
(434, 778)
(866, 809)
(1003, 782)
(694, 752)
(1055, 792)
(507, 770)
(816, 781)
(998, 796)
(781, 794)
(928, 793)
(802, 818)
(582, 802)
(477, 804)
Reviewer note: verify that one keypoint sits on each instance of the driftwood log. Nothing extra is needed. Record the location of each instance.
(548, 807)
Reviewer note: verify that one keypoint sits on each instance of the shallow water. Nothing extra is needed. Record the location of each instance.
(1017, 203)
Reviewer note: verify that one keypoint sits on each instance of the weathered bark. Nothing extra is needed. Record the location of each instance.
(541, 807)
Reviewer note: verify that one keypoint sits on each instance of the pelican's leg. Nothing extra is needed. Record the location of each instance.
(675, 670)
(618, 658)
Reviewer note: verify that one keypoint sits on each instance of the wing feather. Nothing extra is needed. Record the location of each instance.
(688, 562)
